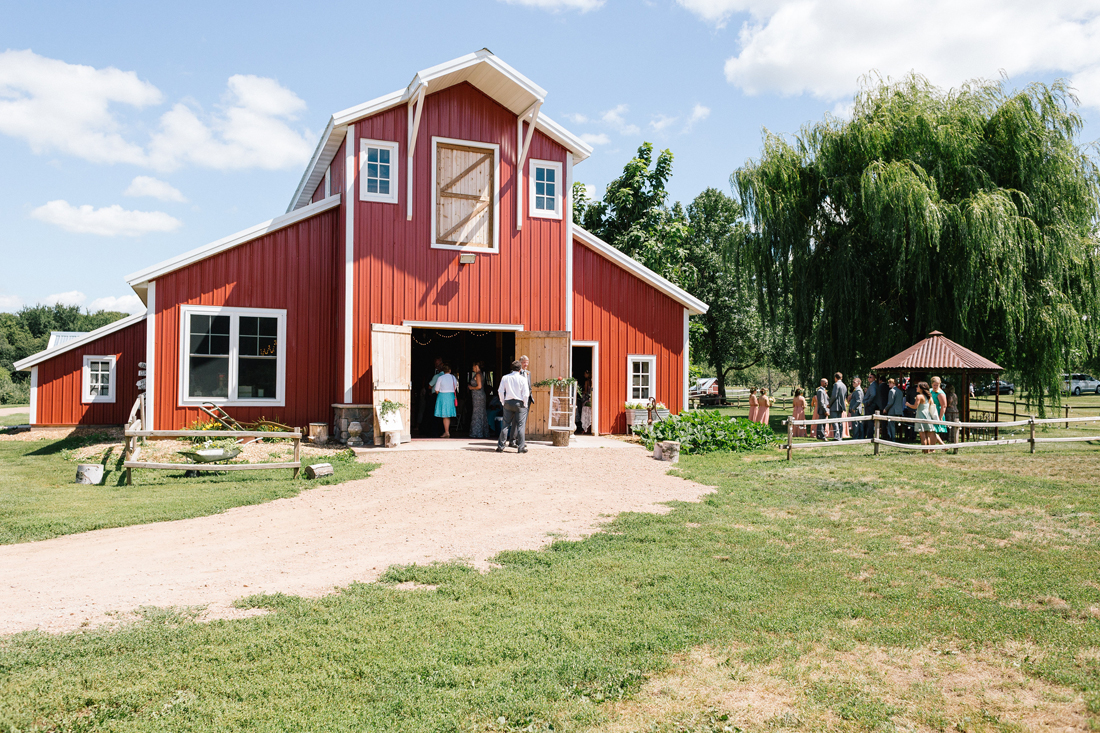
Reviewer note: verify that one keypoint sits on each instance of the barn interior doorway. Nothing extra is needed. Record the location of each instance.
(459, 348)
(585, 369)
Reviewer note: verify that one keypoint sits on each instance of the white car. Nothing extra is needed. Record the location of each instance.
(1080, 383)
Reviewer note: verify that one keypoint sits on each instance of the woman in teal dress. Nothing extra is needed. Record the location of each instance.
(446, 394)
(923, 407)
(939, 400)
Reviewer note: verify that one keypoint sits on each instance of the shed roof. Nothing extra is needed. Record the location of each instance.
(937, 352)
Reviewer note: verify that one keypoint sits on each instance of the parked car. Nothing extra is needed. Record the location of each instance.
(1079, 383)
(1000, 386)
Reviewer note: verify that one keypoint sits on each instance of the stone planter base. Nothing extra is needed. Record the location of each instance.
(345, 415)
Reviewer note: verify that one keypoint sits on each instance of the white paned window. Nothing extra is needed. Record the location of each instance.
(465, 195)
(233, 356)
(545, 183)
(98, 379)
(378, 171)
(641, 376)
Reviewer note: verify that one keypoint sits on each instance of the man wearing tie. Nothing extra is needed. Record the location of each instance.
(822, 407)
(895, 407)
(855, 407)
(838, 400)
(870, 401)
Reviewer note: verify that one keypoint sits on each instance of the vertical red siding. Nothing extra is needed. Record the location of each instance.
(626, 316)
(399, 276)
(293, 269)
(59, 381)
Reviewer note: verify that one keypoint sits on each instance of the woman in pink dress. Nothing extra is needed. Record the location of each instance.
(798, 412)
(753, 405)
(763, 407)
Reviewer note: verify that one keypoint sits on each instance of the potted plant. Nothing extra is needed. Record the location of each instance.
(637, 412)
(661, 411)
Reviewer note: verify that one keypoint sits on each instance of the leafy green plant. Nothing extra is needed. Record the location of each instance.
(707, 431)
(205, 425)
(387, 407)
(557, 383)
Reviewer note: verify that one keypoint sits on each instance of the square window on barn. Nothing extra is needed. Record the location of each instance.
(378, 171)
(233, 355)
(98, 379)
(465, 195)
(641, 373)
(545, 187)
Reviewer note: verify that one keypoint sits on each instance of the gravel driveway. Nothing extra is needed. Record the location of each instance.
(419, 506)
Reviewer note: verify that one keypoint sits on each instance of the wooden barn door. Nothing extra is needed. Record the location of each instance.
(550, 358)
(391, 362)
(464, 196)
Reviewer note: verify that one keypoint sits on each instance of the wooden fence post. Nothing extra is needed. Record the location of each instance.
(874, 439)
(297, 448)
(1031, 419)
(1067, 417)
(1014, 418)
(790, 438)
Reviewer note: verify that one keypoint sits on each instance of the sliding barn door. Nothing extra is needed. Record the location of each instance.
(550, 358)
(465, 191)
(391, 362)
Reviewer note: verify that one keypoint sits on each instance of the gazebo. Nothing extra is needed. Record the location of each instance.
(939, 355)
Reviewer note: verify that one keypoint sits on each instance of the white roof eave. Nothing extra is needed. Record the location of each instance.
(695, 306)
(41, 356)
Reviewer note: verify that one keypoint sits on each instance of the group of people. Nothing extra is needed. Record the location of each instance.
(760, 406)
(927, 402)
(512, 399)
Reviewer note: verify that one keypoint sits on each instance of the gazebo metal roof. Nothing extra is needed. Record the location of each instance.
(937, 353)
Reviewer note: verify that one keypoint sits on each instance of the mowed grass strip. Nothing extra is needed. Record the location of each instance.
(38, 499)
(19, 418)
(837, 591)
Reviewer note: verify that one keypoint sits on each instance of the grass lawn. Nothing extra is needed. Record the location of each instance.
(838, 591)
(19, 418)
(39, 500)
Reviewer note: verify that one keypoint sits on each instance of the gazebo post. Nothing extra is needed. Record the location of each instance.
(996, 404)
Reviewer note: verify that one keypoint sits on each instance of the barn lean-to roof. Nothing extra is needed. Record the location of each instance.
(937, 352)
(85, 338)
(482, 69)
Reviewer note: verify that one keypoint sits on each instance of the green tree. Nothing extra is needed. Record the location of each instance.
(971, 211)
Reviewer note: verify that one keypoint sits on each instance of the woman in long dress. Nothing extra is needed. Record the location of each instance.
(798, 412)
(763, 407)
(446, 395)
(952, 414)
(939, 399)
(753, 405)
(479, 420)
(923, 408)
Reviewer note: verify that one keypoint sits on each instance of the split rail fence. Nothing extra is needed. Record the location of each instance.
(877, 440)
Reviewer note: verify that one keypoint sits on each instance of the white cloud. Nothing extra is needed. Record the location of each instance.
(590, 191)
(251, 131)
(660, 122)
(73, 297)
(558, 5)
(109, 221)
(595, 138)
(154, 188)
(74, 109)
(125, 304)
(56, 106)
(614, 118)
(10, 303)
(576, 118)
(822, 48)
(698, 114)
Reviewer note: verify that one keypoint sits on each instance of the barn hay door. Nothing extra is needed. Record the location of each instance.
(391, 362)
(550, 358)
(465, 196)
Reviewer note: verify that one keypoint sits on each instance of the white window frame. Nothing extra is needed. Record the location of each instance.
(391, 197)
(558, 197)
(86, 380)
(186, 311)
(631, 359)
(496, 194)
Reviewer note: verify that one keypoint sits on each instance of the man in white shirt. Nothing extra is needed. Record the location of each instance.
(514, 392)
(524, 364)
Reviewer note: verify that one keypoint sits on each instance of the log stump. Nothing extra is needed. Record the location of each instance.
(560, 438)
(319, 469)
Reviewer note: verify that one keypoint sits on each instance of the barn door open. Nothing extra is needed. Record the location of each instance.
(391, 364)
(550, 359)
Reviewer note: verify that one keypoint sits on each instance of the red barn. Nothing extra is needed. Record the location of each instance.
(434, 222)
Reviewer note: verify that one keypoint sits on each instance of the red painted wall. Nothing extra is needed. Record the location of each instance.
(626, 316)
(399, 276)
(59, 381)
(293, 268)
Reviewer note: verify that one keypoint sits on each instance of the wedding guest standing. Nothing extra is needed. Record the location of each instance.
(838, 403)
(753, 405)
(446, 398)
(821, 406)
(952, 414)
(939, 398)
(870, 404)
(479, 419)
(855, 408)
(798, 412)
(763, 407)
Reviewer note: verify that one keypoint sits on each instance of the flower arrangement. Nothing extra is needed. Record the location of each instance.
(557, 383)
(661, 406)
(637, 404)
(387, 407)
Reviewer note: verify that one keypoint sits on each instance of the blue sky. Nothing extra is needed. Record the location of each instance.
(132, 132)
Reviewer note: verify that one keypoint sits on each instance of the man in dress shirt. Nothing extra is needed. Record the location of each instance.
(838, 403)
(514, 392)
(855, 407)
(822, 407)
(524, 363)
(870, 401)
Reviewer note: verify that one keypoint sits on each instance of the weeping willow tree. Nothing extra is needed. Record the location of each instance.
(971, 211)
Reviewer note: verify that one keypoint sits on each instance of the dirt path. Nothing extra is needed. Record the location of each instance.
(419, 506)
(5, 411)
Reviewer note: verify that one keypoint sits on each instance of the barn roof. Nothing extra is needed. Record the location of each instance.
(76, 343)
(484, 70)
(937, 352)
(631, 265)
